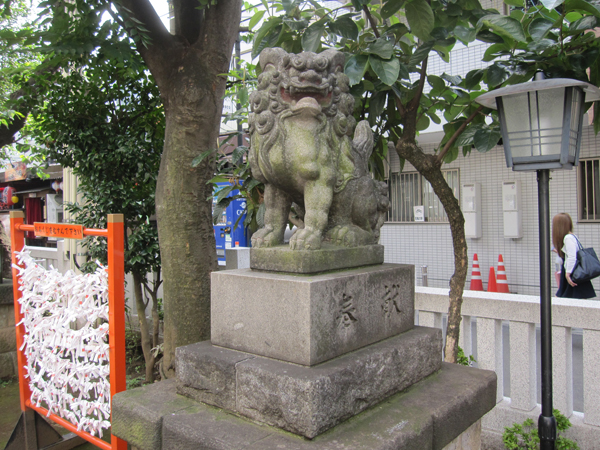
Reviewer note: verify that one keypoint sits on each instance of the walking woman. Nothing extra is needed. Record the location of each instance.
(567, 244)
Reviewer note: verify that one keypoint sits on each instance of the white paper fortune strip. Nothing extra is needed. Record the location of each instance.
(68, 368)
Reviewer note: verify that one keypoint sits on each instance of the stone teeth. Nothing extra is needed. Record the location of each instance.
(293, 90)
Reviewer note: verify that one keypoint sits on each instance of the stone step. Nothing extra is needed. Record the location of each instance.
(307, 400)
(428, 416)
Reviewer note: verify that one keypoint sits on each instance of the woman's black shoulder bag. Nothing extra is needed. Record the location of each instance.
(587, 265)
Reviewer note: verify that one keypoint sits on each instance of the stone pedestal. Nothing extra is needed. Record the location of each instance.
(308, 319)
(333, 358)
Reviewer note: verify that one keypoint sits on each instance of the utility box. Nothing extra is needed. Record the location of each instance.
(511, 209)
(471, 208)
(226, 236)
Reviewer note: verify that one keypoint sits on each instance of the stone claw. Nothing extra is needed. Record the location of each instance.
(349, 236)
(305, 239)
(266, 237)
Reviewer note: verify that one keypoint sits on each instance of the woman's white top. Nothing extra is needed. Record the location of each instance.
(570, 248)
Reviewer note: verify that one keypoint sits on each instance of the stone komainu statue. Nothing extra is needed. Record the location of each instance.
(301, 126)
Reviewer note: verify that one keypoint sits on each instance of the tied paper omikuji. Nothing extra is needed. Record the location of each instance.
(66, 338)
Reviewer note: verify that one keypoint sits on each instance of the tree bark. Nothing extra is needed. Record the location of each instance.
(430, 167)
(144, 328)
(187, 72)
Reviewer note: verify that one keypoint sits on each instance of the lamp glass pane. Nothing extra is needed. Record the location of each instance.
(534, 122)
(576, 105)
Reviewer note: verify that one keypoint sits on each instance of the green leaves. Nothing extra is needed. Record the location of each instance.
(311, 39)
(539, 27)
(345, 27)
(387, 71)
(516, 3)
(583, 24)
(551, 4)
(481, 136)
(496, 74)
(391, 7)
(255, 19)
(267, 35)
(486, 139)
(382, 47)
(436, 83)
(582, 5)
(355, 68)
(505, 26)
(420, 18)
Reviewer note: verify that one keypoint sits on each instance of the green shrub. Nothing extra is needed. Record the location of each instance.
(525, 435)
(462, 359)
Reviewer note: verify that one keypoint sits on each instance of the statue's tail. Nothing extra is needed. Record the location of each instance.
(363, 147)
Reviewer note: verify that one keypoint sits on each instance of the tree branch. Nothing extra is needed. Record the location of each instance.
(456, 134)
(143, 11)
(188, 19)
(400, 106)
(222, 19)
(414, 103)
(371, 20)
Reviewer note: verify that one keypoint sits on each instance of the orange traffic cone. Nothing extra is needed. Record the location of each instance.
(492, 281)
(502, 282)
(476, 283)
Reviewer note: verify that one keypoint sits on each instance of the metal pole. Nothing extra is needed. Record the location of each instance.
(424, 275)
(546, 421)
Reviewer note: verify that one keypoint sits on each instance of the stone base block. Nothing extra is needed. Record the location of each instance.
(310, 319)
(326, 259)
(428, 416)
(307, 400)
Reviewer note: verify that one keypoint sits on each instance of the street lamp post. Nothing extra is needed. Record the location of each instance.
(541, 123)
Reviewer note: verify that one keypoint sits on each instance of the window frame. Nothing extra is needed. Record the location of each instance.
(424, 189)
(583, 188)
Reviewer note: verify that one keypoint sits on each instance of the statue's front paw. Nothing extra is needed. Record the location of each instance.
(266, 237)
(305, 240)
(349, 236)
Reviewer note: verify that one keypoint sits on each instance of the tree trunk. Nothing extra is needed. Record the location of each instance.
(144, 328)
(192, 88)
(431, 170)
(155, 320)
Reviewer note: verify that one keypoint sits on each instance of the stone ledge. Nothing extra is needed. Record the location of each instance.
(428, 416)
(137, 414)
(327, 259)
(307, 400)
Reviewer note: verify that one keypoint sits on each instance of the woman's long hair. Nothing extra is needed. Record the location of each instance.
(561, 226)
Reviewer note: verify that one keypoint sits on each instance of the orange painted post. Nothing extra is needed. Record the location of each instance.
(116, 308)
(17, 242)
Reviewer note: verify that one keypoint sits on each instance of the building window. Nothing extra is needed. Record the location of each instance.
(588, 181)
(408, 190)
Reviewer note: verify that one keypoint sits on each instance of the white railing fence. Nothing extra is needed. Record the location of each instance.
(49, 256)
(501, 332)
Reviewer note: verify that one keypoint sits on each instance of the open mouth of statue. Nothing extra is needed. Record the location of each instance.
(295, 95)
